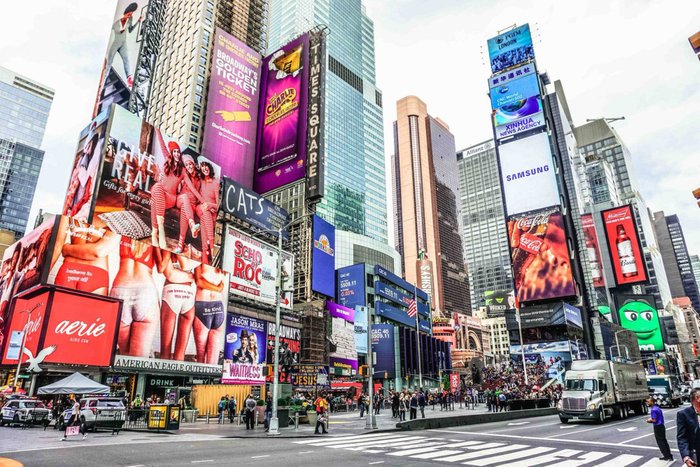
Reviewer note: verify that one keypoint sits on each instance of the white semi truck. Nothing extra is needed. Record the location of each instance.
(599, 389)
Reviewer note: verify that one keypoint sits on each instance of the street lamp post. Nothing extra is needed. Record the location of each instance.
(371, 423)
(617, 344)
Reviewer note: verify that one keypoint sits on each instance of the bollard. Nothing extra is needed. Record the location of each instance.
(207, 416)
(296, 421)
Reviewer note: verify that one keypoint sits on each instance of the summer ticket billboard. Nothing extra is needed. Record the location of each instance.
(540, 256)
(232, 108)
(625, 249)
(282, 121)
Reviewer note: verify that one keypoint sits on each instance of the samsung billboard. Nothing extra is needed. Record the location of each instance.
(527, 172)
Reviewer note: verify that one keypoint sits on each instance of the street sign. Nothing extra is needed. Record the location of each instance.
(23, 377)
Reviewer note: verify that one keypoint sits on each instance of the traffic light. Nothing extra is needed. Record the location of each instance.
(11, 379)
(364, 370)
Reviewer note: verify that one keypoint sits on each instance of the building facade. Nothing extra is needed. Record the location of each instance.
(427, 214)
(354, 248)
(695, 264)
(24, 111)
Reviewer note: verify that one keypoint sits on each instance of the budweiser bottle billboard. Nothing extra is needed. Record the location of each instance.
(592, 250)
(628, 265)
(624, 246)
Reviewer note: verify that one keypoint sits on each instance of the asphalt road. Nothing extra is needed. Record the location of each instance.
(526, 442)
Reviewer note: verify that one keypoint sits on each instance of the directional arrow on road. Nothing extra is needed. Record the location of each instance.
(517, 423)
(564, 427)
(632, 428)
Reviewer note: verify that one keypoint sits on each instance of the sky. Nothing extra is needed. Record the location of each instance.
(614, 58)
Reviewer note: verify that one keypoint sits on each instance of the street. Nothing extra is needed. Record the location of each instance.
(524, 442)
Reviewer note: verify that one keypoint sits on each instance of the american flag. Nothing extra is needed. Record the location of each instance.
(412, 308)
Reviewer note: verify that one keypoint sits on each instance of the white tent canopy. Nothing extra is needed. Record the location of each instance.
(75, 384)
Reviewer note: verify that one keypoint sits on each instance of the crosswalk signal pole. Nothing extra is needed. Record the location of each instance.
(371, 423)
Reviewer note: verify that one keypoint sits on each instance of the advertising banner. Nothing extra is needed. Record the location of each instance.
(625, 248)
(290, 348)
(229, 138)
(283, 117)
(383, 347)
(527, 173)
(540, 256)
(400, 316)
(317, 116)
(361, 329)
(173, 306)
(425, 272)
(122, 58)
(88, 158)
(351, 286)
(253, 268)
(252, 208)
(306, 377)
(28, 317)
(244, 351)
(511, 113)
(522, 125)
(344, 355)
(498, 302)
(153, 187)
(592, 250)
(554, 356)
(509, 93)
(454, 382)
(346, 365)
(506, 77)
(639, 314)
(510, 48)
(572, 315)
(339, 311)
(394, 279)
(323, 258)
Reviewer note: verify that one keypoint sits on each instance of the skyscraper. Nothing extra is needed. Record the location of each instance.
(484, 233)
(427, 215)
(695, 263)
(355, 197)
(24, 110)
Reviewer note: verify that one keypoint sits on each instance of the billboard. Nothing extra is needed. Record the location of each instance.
(173, 305)
(383, 347)
(361, 324)
(510, 48)
(517, 110)
(553, 356)
(520, 125)
(497, 302)
(253, 268)
(592, 249)
(229, 138)
(122, 58)
(527, 173)
(513, 91)
(540, 256)
(153, 186)
(88, 158)
(343, 354)
(317, 116)
(27, 319)
(244, 351)
(351, 286)
(323, 257)
(638, 314)
(252, 208)
(625, 248)
(289, 350)
(425, 272)
(283, 117)
(506, 77)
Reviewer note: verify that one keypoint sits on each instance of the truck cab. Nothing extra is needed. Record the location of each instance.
(665, 389)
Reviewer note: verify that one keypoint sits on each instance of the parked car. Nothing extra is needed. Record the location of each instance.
(98, 412)
(17, 411)
(685, 392)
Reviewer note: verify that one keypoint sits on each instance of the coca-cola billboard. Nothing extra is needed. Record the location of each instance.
(624, 245)
(540, 256)
(592, 250)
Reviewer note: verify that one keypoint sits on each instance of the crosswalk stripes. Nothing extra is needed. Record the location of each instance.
(476, 453)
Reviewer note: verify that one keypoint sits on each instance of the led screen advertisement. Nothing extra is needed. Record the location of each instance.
(122, 58)
(253, 268)
(153, 187)
(540, 256)
(516, 111)
(232, 108)
(323, 257)
(289, 350)
(351, 286)
(527, 173)
(361, 325)
(510, 48)
(520, 125)
(245, 350)
(282, 122)
(88, 158)
(592, 250)
(639, 314)
(252, 208)
(625, 248)
(343, 354)
(514, 91)
(383, 347)
(173, 306)
(27, 319)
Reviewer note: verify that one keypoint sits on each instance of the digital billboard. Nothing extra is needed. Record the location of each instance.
(229, 138)
(361, 325)
(540, 256)
(624, 246)
(592, 250)
(527, 173)
(507, 77)
(323, 257)
(343, 354)
(27, 321)
(638, 313)
(86, 165)
(289, 349)
(173, 305)
(245, 350)
(383, 347)
(520, 125)
(253, 268)
(315, 183)
(153, 186)
(282, 120)
(514, 91)
(122, 58)
(510, 48)
(516, 111)
(252, 208)
(351, 286)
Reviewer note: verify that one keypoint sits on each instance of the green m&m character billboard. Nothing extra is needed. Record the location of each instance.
(638, 314)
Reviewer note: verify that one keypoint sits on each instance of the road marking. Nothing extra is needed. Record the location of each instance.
(377, 462)
(518, 423)
(305, 452)
(564, 427)
(632, 428)
(644, 436)
(348, 438)
(584, 459)
(430, 455)
(204, 461)
(482, 452)
(621, 461)
(260, 457)
(328, 442)
(551, 457)
(511, 456)
(389, 442)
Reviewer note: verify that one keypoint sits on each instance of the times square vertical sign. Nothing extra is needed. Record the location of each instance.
(316, 115)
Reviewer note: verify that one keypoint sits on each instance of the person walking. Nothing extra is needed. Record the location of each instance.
(75, 420)
(395, 404)
(362, 401)
(687, 434)
(321, 405)
(232, 406)
(421, 402)
(250, 405)
(223, 403)
(656, 417)
(268, 412)
(403, 405)
(413, 406)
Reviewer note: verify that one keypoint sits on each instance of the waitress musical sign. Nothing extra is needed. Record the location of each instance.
(244, 350)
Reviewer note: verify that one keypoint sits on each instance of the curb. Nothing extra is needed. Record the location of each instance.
(474, 419)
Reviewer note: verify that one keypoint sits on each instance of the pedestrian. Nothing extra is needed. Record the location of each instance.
(395, 404)
(687, 423)
(268, 412)
(232, 406)
(421, 402)
(413, 406)
(656, 417)
(362, 401)
(502, 401)
(403, 405)
(250, 405)
(321, 405)
(75, 420)
(223, 403)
